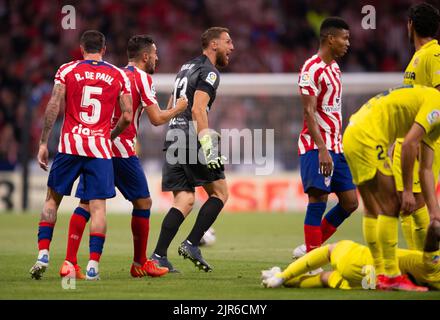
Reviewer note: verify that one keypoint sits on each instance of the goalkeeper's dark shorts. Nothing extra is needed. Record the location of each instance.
(187, 174)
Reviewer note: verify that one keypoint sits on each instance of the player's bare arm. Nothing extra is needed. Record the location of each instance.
(325, 160)
(428, 182)
(50, 116)
(410, 149)
(126, 105)
(158, 117)
(199, 114)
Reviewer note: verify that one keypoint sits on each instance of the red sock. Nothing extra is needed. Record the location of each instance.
(45, 232)
(327, 229)
(140, 228)
(312, 237)
(96, 245)
(76, 229)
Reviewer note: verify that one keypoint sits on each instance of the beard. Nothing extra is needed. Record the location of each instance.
(150, 69)
(220, 59)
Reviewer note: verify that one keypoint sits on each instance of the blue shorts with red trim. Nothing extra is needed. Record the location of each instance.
(340, 181)
(97, 176)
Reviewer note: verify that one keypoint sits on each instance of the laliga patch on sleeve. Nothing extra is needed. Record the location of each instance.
(433, 116)
(212, 76)
(304, 81)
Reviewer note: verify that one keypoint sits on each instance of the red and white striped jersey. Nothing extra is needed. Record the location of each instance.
(144, 95)
(92, 91)
(323, 81)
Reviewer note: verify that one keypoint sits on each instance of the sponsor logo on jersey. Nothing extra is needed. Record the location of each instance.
(409, 75)
(433, 116)
(212, 76)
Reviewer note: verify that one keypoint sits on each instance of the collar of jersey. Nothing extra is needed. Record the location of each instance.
(430, 43)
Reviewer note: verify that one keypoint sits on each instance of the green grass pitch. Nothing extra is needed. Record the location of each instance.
(246, 244)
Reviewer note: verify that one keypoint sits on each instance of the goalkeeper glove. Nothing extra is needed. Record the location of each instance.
(214, 161)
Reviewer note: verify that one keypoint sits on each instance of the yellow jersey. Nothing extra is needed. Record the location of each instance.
(390, 115)
(424, 67)
(423, 267)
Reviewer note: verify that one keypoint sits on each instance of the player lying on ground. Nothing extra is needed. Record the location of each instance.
(352, 267)
(129, 176)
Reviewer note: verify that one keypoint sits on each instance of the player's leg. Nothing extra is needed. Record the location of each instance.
(77, 225)
(45, 231)
(369, 225)
(313, 260)
(64, 171)
(98, 229)
(140, 228)
(98, 186)
(183, 203)
(342, 185)
(317, 188)
(420, 222)
(218, 195)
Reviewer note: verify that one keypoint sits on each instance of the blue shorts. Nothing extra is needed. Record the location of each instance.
(340, 181)
(129, 179)
(97, 176)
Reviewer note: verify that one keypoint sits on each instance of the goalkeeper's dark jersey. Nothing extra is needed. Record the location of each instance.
(197, 74)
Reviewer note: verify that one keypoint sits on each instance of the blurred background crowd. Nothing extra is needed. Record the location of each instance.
(274, 36)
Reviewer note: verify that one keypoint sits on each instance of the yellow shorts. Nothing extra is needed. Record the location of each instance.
(397, 169)
(353, 262)
(365, 156)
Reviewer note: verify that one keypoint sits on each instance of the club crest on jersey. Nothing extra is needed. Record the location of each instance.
(433, 116)
(212, 76)
(416, 61)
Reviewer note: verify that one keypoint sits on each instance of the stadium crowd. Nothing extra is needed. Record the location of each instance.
(269, 36)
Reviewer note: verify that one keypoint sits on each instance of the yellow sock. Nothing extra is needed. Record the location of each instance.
(420, 227)
(369, 226)
(387, 235)
(314, 259)
(406, 222)
(305, 281)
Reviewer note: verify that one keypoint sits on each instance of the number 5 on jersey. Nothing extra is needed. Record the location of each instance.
(88, 101)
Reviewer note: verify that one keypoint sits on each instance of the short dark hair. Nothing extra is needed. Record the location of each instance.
(137, 44)
(329, 25)
(425, 19)
(92, 41)
(211, 34)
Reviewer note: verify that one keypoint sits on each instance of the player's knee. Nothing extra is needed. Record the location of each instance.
(351, 205)
(142, 204)
(49, 214)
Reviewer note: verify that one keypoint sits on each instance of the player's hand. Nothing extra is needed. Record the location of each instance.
(408, 204)
(325, 163)
(214, 160)
(43, 157)
(181, 104)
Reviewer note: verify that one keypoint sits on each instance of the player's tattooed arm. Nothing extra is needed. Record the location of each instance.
(52, 110)
(126, 105)
(50, 116)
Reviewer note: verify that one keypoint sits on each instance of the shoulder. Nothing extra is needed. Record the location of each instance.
(313, 64)
(68, 66)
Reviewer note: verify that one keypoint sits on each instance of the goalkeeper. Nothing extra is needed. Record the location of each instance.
(352, 267)
(188, 164)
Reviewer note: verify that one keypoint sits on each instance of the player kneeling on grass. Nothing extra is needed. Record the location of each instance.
(129, 176)
(352, 267)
